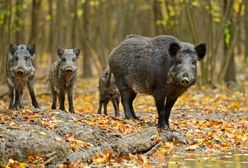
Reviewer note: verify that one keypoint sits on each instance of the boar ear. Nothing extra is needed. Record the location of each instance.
(201, 50)
(31, 48)
(60, 51)
(12, 48)
(76, 51)
(174, 47)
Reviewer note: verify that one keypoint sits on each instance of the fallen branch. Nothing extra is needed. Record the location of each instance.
(50, 160)
(153, 149)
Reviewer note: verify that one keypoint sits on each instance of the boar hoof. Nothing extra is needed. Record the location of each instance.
(136, 117)
(71, 111)
(62, 109)
(164, 126)
(117, 115)
(133, 117)
(37, 106)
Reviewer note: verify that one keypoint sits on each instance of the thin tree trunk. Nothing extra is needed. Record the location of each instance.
(74, 23)
(246, 30)
(230, 75)
(19, 22)
(58, 23)
(158, 17)
(51, 32)
(6, 38)
(87, 68)
(35, 22)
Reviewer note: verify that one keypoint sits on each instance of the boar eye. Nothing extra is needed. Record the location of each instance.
(63, 60)
(193, 62)
(26, 58)
(179, 62)
(16, 58)
(73, 59)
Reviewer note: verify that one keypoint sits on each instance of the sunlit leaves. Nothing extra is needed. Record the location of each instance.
(227, 35)
(15, 164)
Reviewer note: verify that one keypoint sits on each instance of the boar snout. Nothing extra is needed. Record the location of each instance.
(69, 70)
(20, 72)
(184, 81)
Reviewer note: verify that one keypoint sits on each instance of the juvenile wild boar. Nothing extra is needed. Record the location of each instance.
(62, 77)
(20, 71)
(163, 67)
(108, 91)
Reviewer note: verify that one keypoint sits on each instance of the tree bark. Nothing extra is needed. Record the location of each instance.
(230, 75)
(33, 39)
(158, 17)
(230, 71)
(6, 38)
(246, 30)
(87, 68)
(74, 23)
(19, 22)
(51, 31)
(228, 64)
(58, 23)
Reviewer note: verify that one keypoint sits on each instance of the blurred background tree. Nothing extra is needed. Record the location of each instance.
(97, 26)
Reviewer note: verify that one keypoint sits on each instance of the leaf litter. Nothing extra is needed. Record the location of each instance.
(212, 120)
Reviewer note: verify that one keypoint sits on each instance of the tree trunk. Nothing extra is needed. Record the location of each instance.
(230, 38)
(51, 32)
(18, 22)
(5, 38)
(230, 71)
(158, 17)
(58, 23)
(246, 30)
(87, 68)
(230, 75)
(74, 23)
(35, 22)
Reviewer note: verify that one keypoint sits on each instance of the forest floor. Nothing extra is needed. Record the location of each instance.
(212, 120)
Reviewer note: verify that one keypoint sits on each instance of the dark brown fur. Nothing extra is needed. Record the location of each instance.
(108, 91)
(162, 66)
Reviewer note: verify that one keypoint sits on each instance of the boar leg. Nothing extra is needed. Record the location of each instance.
(11, 96)
(70, 99)
(99, 111)
(62, 100)
(132, 97)
(32, 94)
(115, 103)
(161, 112)
(17, 98)
(125, 100)
(54, 95)
(105, 106)
(127, 96)
(169, 104)
(21, 99)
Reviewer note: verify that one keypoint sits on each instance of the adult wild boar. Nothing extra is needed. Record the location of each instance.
(20, 71)
(62, 77)
(163, 67)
